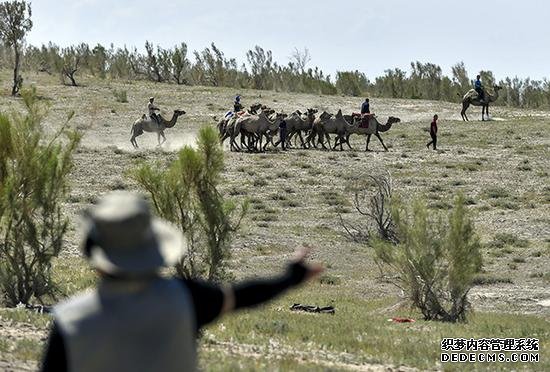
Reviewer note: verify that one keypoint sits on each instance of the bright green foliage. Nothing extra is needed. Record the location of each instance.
(435, 262)
(33, 182)
(187, 195)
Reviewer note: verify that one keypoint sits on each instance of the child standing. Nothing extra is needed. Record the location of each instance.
(433, 133)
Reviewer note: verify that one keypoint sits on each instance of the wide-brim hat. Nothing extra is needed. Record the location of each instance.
(122, 237)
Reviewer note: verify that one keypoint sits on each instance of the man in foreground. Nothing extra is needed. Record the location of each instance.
(136, 319)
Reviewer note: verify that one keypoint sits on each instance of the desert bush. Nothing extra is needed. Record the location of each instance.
(187, 194)
(120, 95)
(371, 199)
(33, 183)
(434, 263)
(506, 239)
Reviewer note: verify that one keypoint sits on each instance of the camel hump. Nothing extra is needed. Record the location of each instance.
(470, 94)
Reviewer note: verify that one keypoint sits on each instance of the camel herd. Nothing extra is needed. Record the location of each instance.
(261, 123)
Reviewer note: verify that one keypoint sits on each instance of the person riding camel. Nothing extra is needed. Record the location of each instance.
(365, 107)
(479, 88)
(151, 108)
(237, 106)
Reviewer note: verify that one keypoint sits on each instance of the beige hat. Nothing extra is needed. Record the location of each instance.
(123, 238)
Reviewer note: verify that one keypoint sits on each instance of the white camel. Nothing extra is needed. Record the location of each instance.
(148, 124)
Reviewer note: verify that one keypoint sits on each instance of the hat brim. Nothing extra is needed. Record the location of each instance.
(165, 248)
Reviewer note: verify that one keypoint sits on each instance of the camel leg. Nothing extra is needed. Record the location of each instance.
(163, 137)
(328, 139)
(368, 140)
(301, 139)
(380, 139)
(337, 141)
(463, 112)
(347, 141)
(134, 141)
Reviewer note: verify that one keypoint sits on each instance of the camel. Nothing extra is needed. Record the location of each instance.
(223, 123)
(226, 125)
(325, 124)
(298, 123)
(147, 124)
(472, 98)
(373, 127)
(256, 125)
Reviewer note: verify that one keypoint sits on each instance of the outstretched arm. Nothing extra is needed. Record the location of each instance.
(254, 292)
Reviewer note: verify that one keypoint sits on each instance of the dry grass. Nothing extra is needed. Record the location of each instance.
(296, 197)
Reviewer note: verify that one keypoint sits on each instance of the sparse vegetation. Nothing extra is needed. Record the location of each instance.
(187, 195)
(359, 333)
(433, 264)
(502, 240)
(120, 95)
(33, 183)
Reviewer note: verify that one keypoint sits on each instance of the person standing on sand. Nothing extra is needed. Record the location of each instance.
(282, 134)
(136, 319)
(433, 133)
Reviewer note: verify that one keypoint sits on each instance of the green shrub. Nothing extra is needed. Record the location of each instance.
(33, 184)
(502, 240)
(434, 263)
(187, 194)
(120, 95)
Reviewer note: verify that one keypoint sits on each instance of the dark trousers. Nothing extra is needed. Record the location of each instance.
(480, 93)
(282, 137)
(433, 141)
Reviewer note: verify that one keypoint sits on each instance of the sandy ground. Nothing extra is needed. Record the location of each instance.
(473, 158)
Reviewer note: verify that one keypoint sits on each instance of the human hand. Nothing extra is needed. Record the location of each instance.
(313, 270)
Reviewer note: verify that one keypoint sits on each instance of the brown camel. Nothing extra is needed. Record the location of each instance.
(372, 127)
(298, 122)
(325, 124)
(256, 126)
(147, 124)
(472, 98)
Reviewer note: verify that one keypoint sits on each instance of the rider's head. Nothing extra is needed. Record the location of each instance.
(151, 99)
(436, 117)
(238, 98)
(478, 77)
(366, 100)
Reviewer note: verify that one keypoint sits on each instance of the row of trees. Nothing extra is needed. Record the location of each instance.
(211, 67)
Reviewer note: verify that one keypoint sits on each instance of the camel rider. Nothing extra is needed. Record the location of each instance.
(365, 107)
(151, 108)
(479, 88)
(237, 106)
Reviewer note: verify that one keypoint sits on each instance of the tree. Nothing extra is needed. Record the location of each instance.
(187, 195)
(261, 67)
(460, 77)
(300, 58)
(72, 60)
(434, 262)
(351, 83)
(180, 64)
(15, 22)
(33, 182)
(152, 63)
